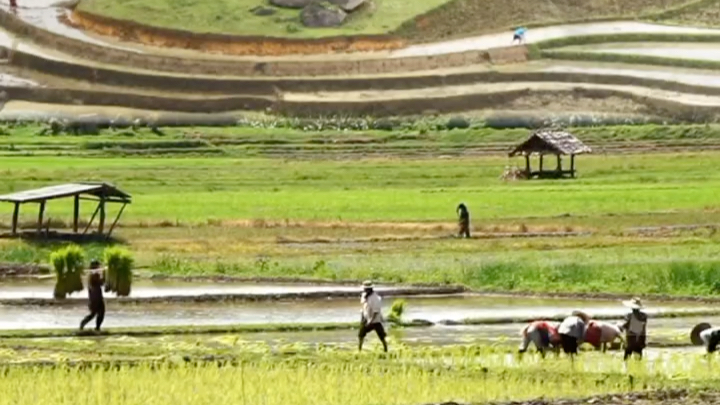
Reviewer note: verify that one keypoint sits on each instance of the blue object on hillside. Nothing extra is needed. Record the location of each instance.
(520, 31)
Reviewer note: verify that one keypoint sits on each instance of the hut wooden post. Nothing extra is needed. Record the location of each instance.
(76, 213)
(572, 166)
(559, 163)
(541, 162)
(101, 225)
(40, 216)
(16, 213)
(527, 163)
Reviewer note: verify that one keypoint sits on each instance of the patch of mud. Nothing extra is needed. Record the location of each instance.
(664, 397)
(22, 270)
(563, 104)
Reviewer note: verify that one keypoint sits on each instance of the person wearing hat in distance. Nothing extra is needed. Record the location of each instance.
(95, 295)
(635, 328)
(463, 220)
(572, 332)
(371, 318)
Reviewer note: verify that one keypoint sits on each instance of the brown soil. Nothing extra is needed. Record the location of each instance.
(665, 397)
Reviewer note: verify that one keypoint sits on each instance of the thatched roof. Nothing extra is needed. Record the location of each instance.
(548, 141)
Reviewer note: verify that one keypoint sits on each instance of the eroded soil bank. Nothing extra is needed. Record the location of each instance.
(665, 397)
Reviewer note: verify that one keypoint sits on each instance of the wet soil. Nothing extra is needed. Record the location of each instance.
(669, 397)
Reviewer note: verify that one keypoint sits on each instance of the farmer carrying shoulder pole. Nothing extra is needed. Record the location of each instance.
(463, 220)
(371, 318)
(635, 327)
(572, 332)
(95, 295)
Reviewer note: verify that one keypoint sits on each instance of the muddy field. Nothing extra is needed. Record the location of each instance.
(649, 398)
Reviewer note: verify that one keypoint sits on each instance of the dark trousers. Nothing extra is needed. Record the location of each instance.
(97, 312)
(634, 344)
(464, 226)
(713, 342)
(569, 344)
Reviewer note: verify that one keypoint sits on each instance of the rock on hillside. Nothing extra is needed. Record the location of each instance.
(347, 5)
(291, 3)
(321, 15)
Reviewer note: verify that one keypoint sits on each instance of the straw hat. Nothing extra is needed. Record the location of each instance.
(696, 331)
(634, 303)
(582, 315)
(368, 284)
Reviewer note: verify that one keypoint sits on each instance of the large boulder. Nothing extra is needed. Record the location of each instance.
(322, 15)
(291, 3)
(347, 5)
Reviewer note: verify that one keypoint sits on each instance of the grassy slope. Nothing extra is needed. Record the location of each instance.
(235, 17)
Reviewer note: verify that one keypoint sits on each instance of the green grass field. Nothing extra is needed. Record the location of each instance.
(326, 207)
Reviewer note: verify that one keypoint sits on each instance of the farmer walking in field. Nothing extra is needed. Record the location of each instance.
(572, 332)
(463, 220)
(542, 334)
(519, 35)
(95, 295)
(635, 327)
(371, 318)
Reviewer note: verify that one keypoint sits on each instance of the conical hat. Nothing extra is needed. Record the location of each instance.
(696, 331)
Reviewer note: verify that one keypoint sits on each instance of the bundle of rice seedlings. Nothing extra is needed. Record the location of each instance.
(118, 273)
(68, 264)
(57, 259)
(397, 309)
(74, 268)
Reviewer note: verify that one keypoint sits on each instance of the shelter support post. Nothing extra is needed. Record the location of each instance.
(41, 213)
(116, 220)
(572, 166)
(16, 214)
(101, 225)
(92, 218)
(76, 213)
(541, 162)
(527, 163)
(559, 163)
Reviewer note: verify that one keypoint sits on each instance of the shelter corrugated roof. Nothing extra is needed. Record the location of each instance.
(552, 141)
(66, 190)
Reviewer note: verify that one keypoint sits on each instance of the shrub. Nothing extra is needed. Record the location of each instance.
(69, 263)
(118, 274)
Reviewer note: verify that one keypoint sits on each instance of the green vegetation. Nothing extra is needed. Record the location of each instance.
(237, 17)
(346, 205)
(69, 265)
(118, 277)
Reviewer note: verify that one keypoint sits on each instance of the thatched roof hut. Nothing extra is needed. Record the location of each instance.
(550, 142)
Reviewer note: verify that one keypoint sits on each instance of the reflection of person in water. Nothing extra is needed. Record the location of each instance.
(463, 220)
(95, 294)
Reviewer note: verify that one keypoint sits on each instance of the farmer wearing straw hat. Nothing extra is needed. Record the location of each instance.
(572, 332)
(635, 327)
(371, 319)
(95, 295)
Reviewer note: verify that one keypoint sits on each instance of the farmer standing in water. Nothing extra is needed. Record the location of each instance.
(635, 328)
(372, 319)
(463, 220)
(95, 294)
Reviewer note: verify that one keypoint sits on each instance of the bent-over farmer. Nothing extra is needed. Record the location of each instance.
(542, 334)
(601, 334)
(572, 332)
(463, 220)
(519, 35)
(371, 319)
(95, 295)
(711, 339)
(635, 327)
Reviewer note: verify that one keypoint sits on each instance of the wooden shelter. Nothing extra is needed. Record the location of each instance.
(100, 193)
(550, 142)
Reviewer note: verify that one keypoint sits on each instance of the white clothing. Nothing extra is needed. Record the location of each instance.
(609, 332)
(573, 326)
(371, 308)
(707, 334)
(536, 336)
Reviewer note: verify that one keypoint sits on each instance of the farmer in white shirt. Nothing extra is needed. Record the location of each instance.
(635, 328)
(572, 332)
(706, 335)
(372, 319)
